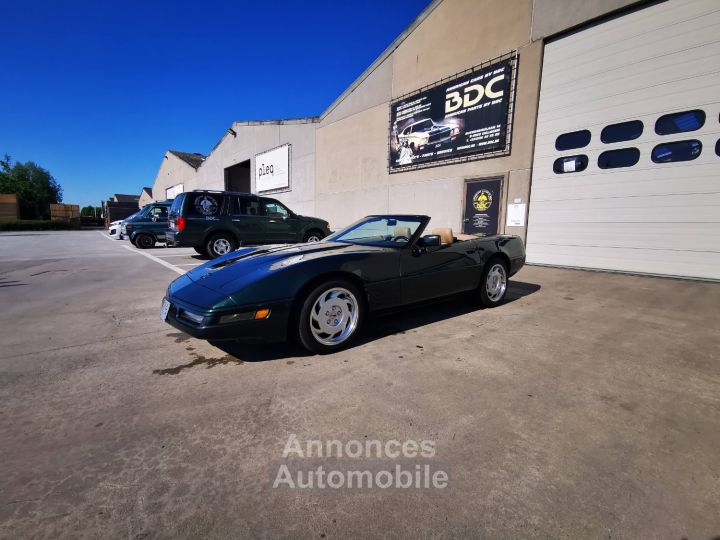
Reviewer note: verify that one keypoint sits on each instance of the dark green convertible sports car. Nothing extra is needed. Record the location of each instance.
(320, 292)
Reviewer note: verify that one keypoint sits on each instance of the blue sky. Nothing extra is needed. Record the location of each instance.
(97, 91)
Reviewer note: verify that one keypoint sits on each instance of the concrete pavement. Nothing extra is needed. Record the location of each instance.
(587, 406)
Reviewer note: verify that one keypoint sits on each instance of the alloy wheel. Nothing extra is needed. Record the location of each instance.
(496, 282)
(221, 246)
(334, 316)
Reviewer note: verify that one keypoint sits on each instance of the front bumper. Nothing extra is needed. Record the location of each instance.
(268, 330)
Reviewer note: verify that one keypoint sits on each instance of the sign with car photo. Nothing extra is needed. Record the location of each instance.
(462, 117)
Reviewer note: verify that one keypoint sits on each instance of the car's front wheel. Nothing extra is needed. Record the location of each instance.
(144, 241)
(313, 236)
(330, 316)
(494, 283)
(219, 244)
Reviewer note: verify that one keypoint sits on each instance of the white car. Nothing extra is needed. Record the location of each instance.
(114, 229)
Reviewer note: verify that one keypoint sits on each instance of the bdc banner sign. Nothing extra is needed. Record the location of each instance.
(461, 118)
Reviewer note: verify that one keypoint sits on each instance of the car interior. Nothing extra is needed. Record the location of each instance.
(447, 236)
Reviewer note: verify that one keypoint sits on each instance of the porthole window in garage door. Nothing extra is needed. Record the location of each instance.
(717, 147)
(574, 139)
(623, 157)
(680, 122)
(569, 164)
(676, 151)
(624, 131)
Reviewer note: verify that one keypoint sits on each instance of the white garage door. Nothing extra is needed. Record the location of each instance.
(626, 174)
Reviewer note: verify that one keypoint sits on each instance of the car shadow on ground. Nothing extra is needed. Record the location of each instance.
(376, 327)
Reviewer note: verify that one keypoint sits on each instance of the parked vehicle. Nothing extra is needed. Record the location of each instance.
(123, 231)
(114, 230)
(217, 222)
(320, 293)
(148, 226)
(425, 132)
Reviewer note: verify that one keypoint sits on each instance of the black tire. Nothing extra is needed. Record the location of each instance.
(219, 244)
(341, 307)
(144, 241)
(493, 283)
(313, 236)
(200, 250)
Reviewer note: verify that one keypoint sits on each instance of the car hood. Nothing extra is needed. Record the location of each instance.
(233, 271)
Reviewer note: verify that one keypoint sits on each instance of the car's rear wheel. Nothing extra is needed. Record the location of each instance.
(494, 283)
(220, 244)
(330, 316)
(144, 241)
(313, 236)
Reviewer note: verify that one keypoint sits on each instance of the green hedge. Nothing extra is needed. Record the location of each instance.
(38, 225)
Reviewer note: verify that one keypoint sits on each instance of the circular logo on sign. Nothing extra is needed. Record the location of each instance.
(482, 200)
(206, 205)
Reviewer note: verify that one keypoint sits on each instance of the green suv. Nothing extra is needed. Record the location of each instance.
(217, 222)
(147, 226)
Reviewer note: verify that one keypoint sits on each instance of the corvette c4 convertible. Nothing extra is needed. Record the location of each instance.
(319, 293)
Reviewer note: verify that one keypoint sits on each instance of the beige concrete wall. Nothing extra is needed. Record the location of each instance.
(340, 165)
(255, 137)
(173, 171)
(144, 199)
(553, 16)
(352, 142)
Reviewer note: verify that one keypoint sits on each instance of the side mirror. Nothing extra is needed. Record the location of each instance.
(430, 240)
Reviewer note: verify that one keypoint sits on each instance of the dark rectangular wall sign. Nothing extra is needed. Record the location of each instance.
(482, 206)
(461, 118)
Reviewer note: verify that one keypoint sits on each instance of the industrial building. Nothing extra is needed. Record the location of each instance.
(588, 128)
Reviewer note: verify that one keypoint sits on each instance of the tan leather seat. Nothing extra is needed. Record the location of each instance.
(402, 231)
(445, 234)
(462, 237)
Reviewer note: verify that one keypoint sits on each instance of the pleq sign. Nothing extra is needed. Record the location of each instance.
(272, 170)
(462, 117)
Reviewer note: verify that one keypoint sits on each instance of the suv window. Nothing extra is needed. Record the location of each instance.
(177, 204)
(242, 206)
(158, 211)
(204, 204)
(275, 209)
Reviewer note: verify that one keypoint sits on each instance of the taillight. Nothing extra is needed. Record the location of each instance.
(181, 224)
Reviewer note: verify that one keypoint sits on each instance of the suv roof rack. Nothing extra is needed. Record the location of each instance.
(221, 191)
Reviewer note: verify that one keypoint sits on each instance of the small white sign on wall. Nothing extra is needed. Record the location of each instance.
(516, 215)
(272, 170)
(174, 191)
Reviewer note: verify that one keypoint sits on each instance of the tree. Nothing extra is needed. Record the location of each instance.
(35, 187)
(92, 211)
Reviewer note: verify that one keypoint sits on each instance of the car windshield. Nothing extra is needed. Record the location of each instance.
(423, 126)
(379, 231)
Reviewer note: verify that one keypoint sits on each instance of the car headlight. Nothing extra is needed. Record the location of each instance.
(194, 317)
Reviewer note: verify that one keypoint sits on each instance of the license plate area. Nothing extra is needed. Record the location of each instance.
(165, 309)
